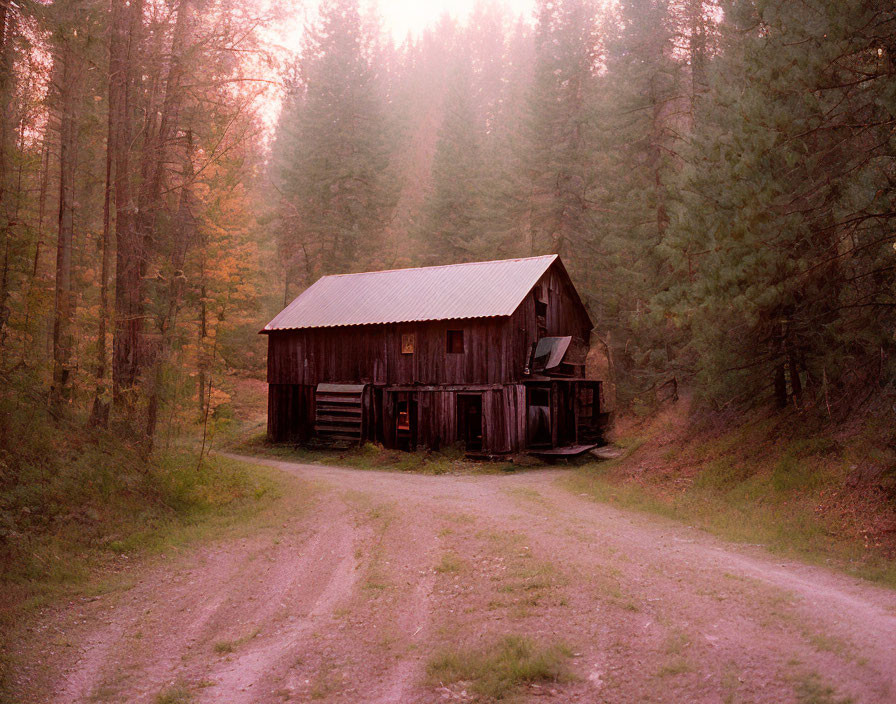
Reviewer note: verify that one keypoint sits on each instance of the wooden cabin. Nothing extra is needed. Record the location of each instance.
(487, 355)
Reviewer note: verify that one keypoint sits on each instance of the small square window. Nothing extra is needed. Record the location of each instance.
(408, 343)
(455, 341)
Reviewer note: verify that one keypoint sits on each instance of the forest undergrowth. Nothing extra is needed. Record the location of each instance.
(79, 504)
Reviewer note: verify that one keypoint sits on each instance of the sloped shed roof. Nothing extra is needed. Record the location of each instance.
(455, 291)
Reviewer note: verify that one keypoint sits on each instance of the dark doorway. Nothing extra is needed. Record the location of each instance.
(565, 409)
(538, 416)
(469, 421)
(405, 420)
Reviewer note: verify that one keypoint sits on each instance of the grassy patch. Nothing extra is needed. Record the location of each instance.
(499, 669)
(225, 647)
(676, 666)
(369, 456)
(379, 517)
(64, 517)
(608, 585)
(175, 694)
(811, 689)
(451, 563)
(325, 683)
(530, 578)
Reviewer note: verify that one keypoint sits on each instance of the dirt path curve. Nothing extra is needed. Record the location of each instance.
(348, 594)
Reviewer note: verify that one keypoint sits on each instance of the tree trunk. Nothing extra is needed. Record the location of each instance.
(183, 237)
(35, 262)
(203, 333)
(780, 386)
(7, 28)
(69, 78)
(656, 160)
(150, 204)
(696, 50)
(99, 415)
(125, 21)
(796, 386)
(159, 139)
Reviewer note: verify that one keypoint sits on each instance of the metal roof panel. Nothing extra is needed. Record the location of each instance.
(454, 291)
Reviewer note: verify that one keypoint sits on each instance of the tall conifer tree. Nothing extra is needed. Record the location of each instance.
(334, 150)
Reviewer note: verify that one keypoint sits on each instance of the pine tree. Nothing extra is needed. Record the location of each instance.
(451, 229)
(334, 150)
(554, 155)
(788, 220)
(637, 114)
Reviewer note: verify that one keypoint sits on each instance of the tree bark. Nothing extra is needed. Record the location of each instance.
(154, 168)
(7, 29)
(69, 76)
(780, 386)
(183, 238)
(796, 386)
(99, 414)
(203, 334)
(125, 21)
(696, 50)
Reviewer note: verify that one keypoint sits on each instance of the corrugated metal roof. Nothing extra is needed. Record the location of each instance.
(474, 290)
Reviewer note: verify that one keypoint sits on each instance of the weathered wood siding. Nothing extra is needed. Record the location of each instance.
(503, 417)
(495, 349)
(371, 354)
(290, 412)
(565, 316)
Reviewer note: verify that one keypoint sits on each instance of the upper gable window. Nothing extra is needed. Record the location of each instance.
(455, 342)
(408, 343)
(541, 300)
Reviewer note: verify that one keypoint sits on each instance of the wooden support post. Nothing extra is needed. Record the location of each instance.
(555, 415)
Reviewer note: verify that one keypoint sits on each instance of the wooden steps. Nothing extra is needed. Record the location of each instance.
(338, 412)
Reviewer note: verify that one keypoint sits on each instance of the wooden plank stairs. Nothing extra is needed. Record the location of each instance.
(338, 412)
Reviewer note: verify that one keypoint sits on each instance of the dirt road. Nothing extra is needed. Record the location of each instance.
(347, 595)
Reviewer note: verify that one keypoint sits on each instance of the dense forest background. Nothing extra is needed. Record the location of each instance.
(718, 176)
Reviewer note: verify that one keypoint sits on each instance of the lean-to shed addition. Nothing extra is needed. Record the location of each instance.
(490, 355)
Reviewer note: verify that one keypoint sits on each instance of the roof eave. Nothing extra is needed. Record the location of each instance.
(267, 330)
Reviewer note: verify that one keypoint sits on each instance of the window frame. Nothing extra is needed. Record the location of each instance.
(451, 338)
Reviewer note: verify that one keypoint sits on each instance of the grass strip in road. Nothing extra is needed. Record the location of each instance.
(177, 693)
(501, 668)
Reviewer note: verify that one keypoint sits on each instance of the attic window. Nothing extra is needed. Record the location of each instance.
(408, 343)
(455, 342)
(541, 301)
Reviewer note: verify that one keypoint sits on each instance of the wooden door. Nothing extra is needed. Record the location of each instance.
(469, 421)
